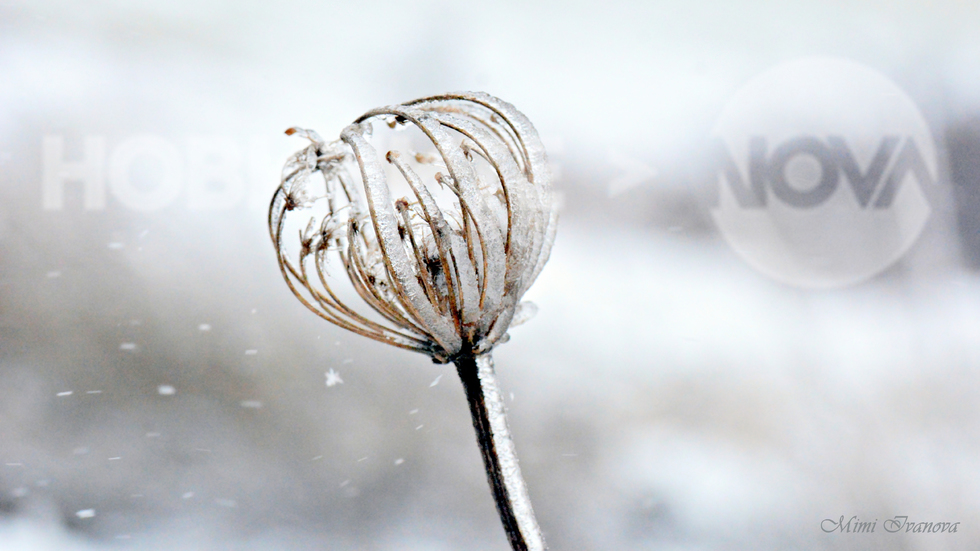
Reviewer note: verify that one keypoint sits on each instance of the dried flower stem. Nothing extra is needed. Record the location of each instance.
(499, 457)
(443, 279)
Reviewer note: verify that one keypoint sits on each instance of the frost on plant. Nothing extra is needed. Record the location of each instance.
(429, 247)
(443, 267)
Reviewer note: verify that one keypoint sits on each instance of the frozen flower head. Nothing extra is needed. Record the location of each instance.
(440, 237)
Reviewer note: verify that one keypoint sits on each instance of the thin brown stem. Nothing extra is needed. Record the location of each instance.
(499, 457)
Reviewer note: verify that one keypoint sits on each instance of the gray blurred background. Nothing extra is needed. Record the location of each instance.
(160, 388)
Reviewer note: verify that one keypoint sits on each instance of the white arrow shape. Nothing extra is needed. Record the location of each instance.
(633, 173)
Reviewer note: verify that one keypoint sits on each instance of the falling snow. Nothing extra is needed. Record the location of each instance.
(333, 378)
(166, 390)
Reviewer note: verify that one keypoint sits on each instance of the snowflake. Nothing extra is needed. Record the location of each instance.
(333, 378)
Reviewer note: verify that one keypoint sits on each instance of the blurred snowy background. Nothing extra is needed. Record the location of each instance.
(161, 389)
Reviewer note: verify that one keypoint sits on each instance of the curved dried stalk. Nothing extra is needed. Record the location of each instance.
(444, 280)
(499, 456)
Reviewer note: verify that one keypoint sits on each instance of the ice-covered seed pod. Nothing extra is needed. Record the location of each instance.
(443, 277)
(439, 267)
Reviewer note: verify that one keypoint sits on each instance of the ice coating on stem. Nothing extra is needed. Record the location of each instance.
(440, 271)
(443, 280)
(510, 469)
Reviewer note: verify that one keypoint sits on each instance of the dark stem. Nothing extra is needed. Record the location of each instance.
(499, 456)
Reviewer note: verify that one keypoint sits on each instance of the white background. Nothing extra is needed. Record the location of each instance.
(666, 396)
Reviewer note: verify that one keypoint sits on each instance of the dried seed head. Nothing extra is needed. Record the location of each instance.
(443, 269)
